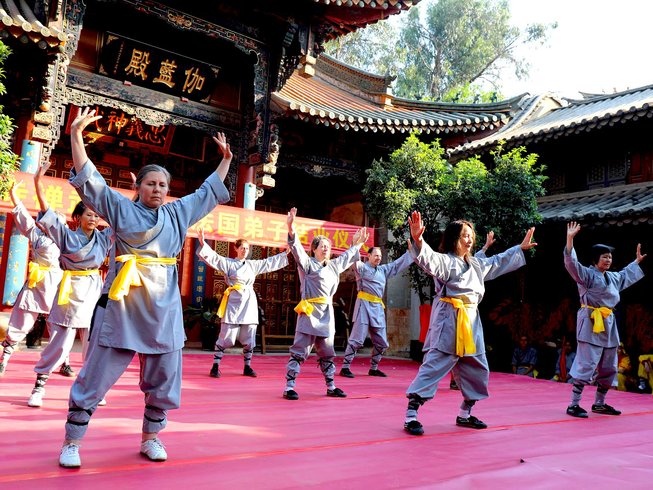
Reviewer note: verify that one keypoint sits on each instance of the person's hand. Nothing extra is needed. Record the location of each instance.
(572, 229)
(84, 117)
(12, 192)
(225, 149)
(527, 242)
(416, 226)
(200, 235)
(42, 170)
(291, 220)
(361, 236)
(640, 257)
(489, 240)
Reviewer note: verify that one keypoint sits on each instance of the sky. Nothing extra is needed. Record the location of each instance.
(600, 46)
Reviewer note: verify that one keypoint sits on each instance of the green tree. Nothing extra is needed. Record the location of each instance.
(374, 49)
(8, 159)
(451, 50)
(501, 198)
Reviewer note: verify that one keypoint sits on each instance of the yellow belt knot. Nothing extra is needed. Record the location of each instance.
(464, 337)
(305, 306)
(66, 286)
(36, 274)
(597, 315)
(225, 298)
(130, 276)
(370, 297)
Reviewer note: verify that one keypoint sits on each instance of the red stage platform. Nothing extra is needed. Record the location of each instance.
(236, 432)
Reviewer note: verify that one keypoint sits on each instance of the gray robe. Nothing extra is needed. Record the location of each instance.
(317, 280)
(455, 278)
(45, 253)
(78, 253)
(242, 305)
(597, 289)
(372, 280)
(149, 319)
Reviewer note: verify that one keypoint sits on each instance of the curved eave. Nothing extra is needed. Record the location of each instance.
(319, 102)
(27, 32)
(618, 205)
(575, 118)
(346, 16)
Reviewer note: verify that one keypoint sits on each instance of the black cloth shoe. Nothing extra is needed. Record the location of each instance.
(605, 410)
(577, 411)
(215, 371)
(414, 428)
(377, 372)
(336, 393)
(2, 369)
(291, 395)
(453, 385)
(471, 422)
(66, 370)
(248, 371)
(346, 372)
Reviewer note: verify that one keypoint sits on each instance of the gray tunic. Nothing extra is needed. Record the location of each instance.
(372, 280)
(318, 280)
(149, 319)
(597, 289)
(242, 305)
(78, 253)
(456, 278)
(45, 253)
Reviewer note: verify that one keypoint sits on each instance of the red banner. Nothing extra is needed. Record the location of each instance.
(225, 223)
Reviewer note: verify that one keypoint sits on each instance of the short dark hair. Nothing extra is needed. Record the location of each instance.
(316, 242)
(600, 249)
(239, 242)
(79, 210)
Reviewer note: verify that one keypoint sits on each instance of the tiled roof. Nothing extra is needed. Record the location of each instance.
(373, 4)
(345, 16)
(20, 22)
(631, 203)
(347, 98)
(547, 117)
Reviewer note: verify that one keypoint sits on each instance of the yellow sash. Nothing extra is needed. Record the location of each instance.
(369, 297)
(225, 298)
(66, 286)
(305, 306)
(597, 315)
(36, 274)
(464, 337)
(130, 276)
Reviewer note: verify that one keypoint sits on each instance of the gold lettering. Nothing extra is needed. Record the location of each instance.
(138, 64)
(166, 71)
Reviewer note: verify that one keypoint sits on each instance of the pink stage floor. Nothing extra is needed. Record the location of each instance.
(238, 432)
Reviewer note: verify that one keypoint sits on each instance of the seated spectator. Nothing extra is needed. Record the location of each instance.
(563, 364)
(524, 358)
(624, 369)
(645, 373)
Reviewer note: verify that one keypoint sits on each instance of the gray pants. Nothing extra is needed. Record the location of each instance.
(59, 347)
(471, 373)
(299, 352)
(160, 381)
(229, 332)
(357, 339)
(591, 359)
(20, 323)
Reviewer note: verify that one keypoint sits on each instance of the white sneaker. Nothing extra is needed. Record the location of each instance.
(69, 457)
(154, 450)
(102, 402)
(36, 399)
